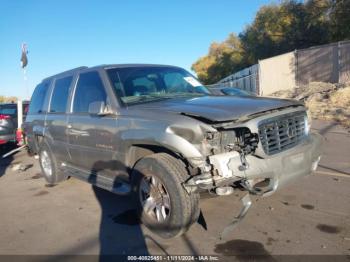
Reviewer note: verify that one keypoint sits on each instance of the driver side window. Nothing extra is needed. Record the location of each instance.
(89, 89)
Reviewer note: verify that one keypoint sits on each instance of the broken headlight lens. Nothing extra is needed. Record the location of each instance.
(240, 140)
(228, 137)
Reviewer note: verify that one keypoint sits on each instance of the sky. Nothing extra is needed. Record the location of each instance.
(63, 34)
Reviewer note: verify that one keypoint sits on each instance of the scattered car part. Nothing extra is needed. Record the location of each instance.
(224, 191)
(246, 204)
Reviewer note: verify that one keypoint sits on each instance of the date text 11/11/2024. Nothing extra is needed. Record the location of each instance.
(173, 258)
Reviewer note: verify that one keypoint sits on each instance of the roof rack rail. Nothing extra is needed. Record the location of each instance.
(67, 71)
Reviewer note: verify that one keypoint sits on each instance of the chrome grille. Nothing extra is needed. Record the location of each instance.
(283, 132)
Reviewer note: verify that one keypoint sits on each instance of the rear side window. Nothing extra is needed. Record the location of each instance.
(89, 89)
(60, 95)
(38, 98)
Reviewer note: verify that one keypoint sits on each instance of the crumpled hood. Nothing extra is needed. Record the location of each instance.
(217, 108)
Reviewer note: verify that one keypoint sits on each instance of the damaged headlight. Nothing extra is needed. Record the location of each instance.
(228, 137)
(240, 140)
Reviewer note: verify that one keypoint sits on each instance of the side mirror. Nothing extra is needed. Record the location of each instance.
(97, 108)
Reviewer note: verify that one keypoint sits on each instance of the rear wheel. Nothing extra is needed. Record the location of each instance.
(164, 206)
(49, 166)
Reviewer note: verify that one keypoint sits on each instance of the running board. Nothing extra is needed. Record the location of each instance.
(109, 183)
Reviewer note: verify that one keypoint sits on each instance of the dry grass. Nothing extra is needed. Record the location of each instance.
(341, 98)
(324, 101)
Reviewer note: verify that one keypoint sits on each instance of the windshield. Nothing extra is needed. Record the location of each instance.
(134, 85)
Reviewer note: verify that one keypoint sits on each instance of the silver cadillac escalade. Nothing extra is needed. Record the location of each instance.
(156, 133)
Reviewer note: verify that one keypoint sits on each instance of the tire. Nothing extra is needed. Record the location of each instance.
(181, 209)
(29, 150)
(48, 162)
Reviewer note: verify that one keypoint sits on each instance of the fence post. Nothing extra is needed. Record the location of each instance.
(338, 61)
(258, 89)
(296, 68)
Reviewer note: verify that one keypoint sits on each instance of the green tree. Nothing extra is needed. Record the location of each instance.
(222, 59)
(281, 28)
(277, 29)
(340, 20)
(8, 99)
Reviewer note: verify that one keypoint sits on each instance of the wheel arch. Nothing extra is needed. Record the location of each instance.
(140, 143)
(138, 151)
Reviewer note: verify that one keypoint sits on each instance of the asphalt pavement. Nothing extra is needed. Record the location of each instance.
(309, 217)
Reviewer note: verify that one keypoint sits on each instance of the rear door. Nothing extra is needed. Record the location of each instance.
(34, 124)
(56, 119)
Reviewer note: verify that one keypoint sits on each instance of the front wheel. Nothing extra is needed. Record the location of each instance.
(164, 206)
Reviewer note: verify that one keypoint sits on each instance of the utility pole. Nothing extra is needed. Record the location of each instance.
(24, 63)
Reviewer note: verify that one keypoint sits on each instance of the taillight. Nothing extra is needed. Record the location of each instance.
(4, 117)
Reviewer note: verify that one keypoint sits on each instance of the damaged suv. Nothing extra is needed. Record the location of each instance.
(156, 133)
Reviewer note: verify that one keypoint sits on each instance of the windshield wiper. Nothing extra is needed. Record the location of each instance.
(152, 98)
(171, 95)
(146, 98)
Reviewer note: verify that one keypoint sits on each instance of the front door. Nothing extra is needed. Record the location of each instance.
(91, 138)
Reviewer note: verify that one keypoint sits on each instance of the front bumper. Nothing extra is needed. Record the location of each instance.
(278, 170)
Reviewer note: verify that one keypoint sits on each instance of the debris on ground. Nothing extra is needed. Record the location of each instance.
(16, 167)
(24, 167)
(21, 167)
(324, 101)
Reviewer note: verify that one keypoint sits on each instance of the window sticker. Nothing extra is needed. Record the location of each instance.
(192, 81)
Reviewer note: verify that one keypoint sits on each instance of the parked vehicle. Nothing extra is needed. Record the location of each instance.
(8, 121)
(155, 132)
(230, 91)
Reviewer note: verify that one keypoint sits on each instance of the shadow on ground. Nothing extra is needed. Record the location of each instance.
(120, 226)
(5, 162)
(120, 230)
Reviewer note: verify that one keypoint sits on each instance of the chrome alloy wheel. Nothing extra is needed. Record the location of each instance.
(46, 163)
(154, 198)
